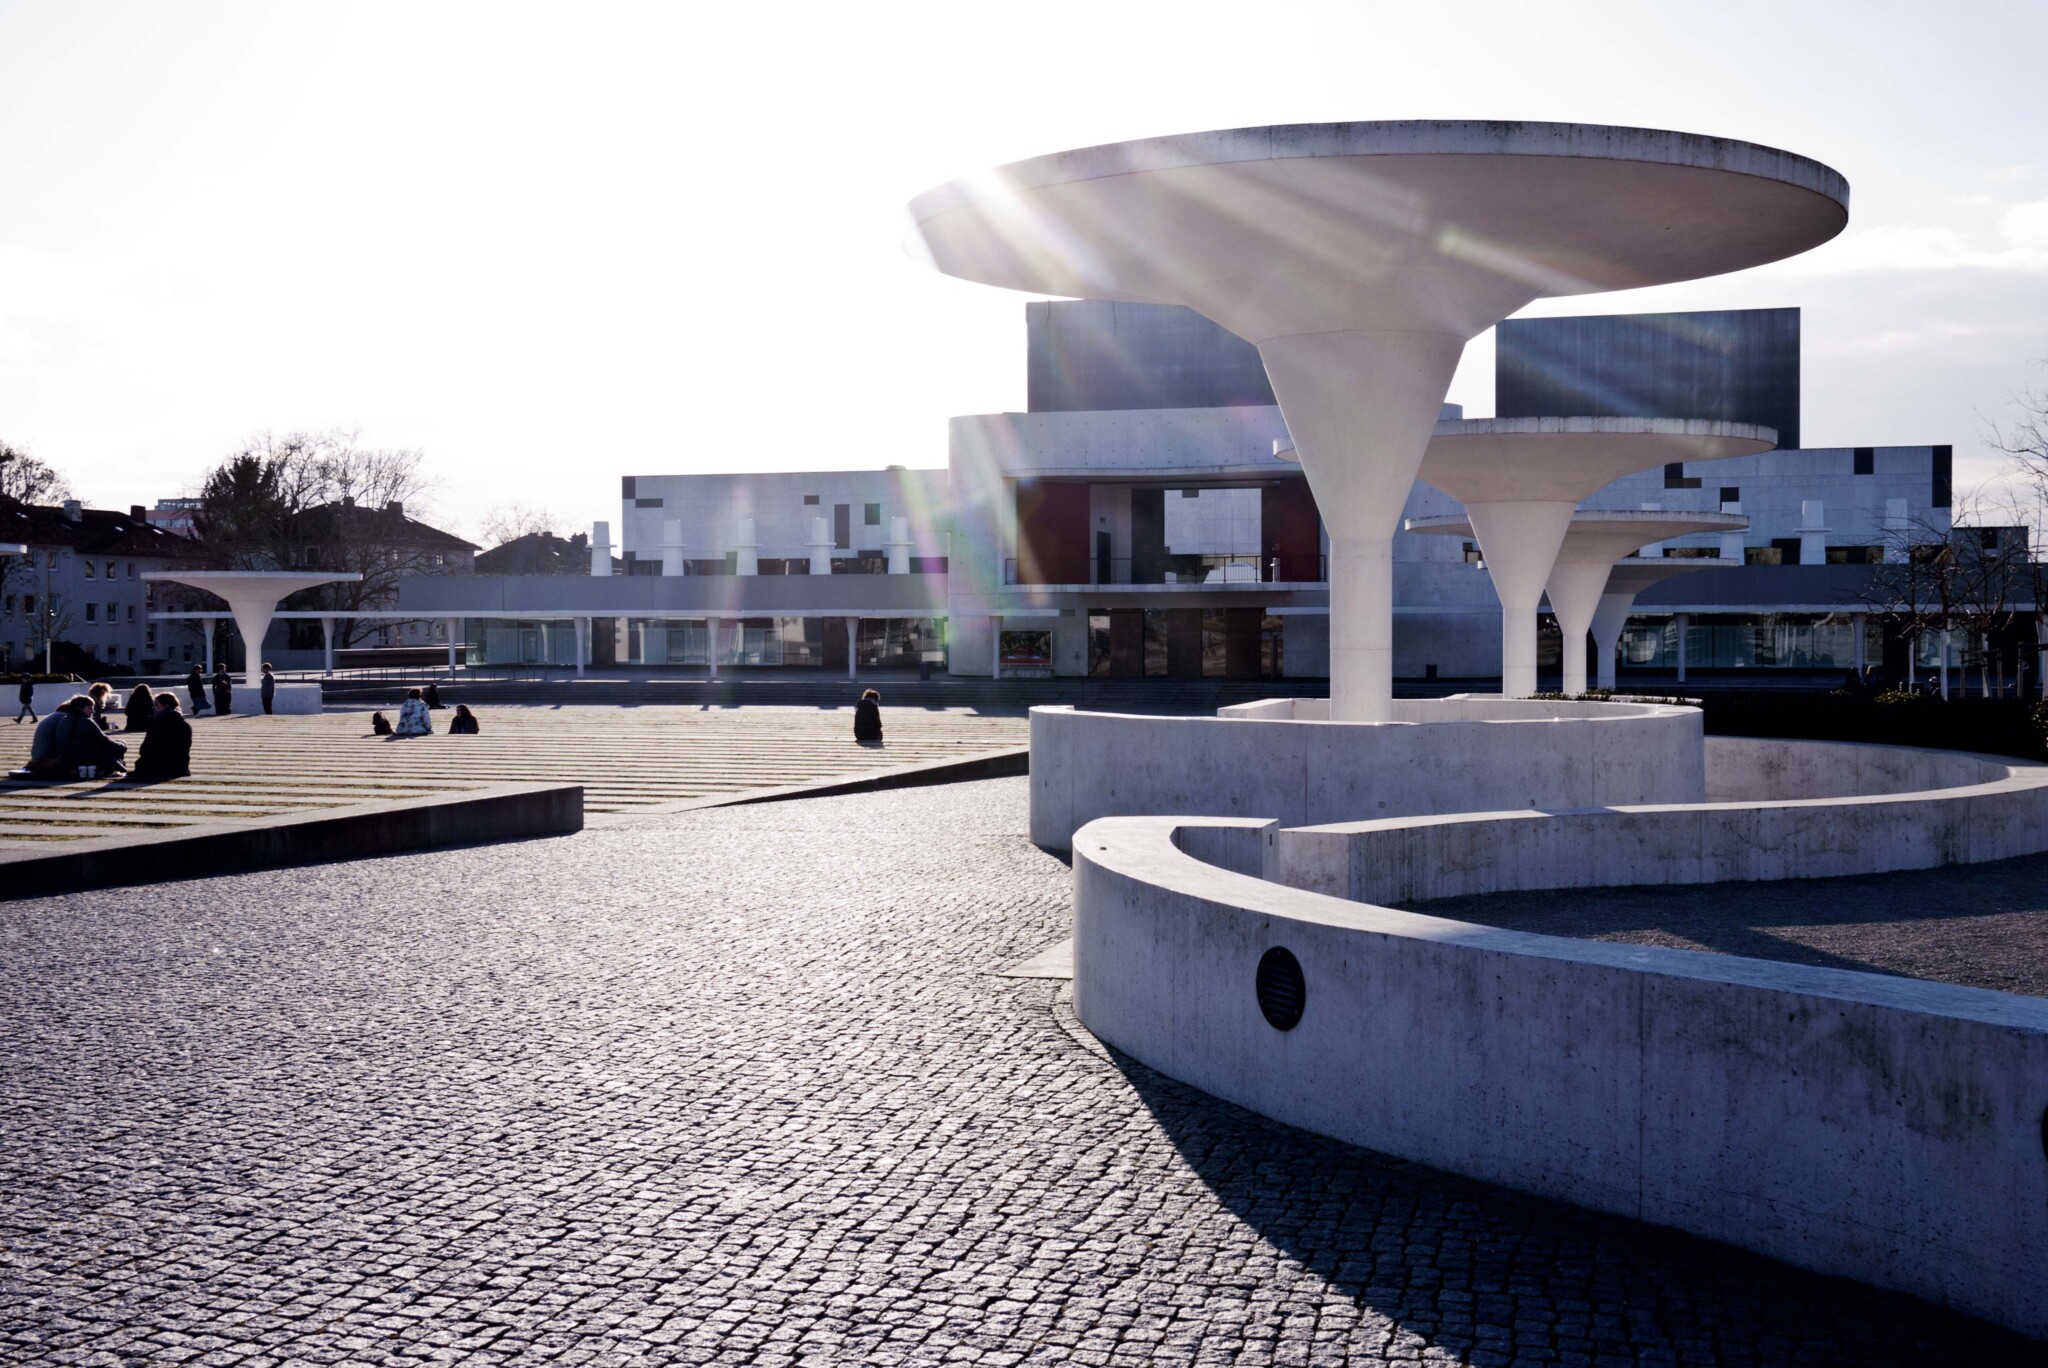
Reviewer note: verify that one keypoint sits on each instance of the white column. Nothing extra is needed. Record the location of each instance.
(1361, 406)
(601, 550)
(1856, 621)
(672, 547)
(1608, 620)
(852, 645)
(1576, 592)
(1944, 661)
(582, 643)
(454, 635)
(899, 546)
(711, 645)
(1813, 533)
(327, 645)
(1683, 621)
(821, 547)
(1519, 542)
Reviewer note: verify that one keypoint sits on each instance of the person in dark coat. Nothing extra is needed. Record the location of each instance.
(380, 725)
(433, 697)
(867, 717)
(195, 684)
(463, 723)
(269, 689)
(223, 692)
(27, 695)
(140, 705)
(167, 745)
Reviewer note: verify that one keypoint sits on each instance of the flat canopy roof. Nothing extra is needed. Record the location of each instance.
(1322, 227)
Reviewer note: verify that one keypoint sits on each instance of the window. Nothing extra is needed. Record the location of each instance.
(131, 612)
(113, 612)
(1866, 461)
(871, 514)
(1987, 539)
(88, 571)
(810, 500)
(131, 569)
(1731, 494)
(111, 567)
(149, 636)
(92, 612)
(28, 605)
(647, 503)
(1676, 478)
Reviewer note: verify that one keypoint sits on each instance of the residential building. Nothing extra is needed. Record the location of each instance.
(81, 587)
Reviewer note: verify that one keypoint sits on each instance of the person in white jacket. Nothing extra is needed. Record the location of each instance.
(413, 718)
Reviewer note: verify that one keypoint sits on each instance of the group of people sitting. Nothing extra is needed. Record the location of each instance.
(72, 742)
(416, 716)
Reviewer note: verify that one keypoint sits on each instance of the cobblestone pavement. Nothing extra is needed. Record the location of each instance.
(738, 1086)
(1985, 926)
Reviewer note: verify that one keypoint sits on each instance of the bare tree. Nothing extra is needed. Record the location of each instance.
(24, 482)
(508, 522)
(2025, 445)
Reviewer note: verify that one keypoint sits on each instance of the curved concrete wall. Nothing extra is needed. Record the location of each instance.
(1878, 1128)
(1967, 809)
(1459, 754)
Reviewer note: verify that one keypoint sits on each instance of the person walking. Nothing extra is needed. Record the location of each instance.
(195, 684)
(140, 706)
(167, 744)
(269, 689)
(867, 717)
(223, 692)
(413, 717)
(27, 695)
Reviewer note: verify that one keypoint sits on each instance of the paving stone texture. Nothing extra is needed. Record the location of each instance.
(741, 1086)
(249, 768)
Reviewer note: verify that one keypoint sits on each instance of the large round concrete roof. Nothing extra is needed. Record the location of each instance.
(1439, 223)
(1500, 460)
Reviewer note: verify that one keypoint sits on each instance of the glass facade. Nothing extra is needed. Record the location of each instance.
(1776, 642)
(794, 642)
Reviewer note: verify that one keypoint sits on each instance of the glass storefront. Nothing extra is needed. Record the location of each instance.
(507, 641)
(1776, 642)
(793, 642)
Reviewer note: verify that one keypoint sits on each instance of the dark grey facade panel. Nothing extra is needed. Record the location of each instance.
(1086, 354)
(1733, 365)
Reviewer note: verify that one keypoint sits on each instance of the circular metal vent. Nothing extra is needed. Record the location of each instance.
(1282, 994)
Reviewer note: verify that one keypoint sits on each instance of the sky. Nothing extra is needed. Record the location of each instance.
(555, 244)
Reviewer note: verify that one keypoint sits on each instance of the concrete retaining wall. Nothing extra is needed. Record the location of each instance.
(1269, 760)
(1878, 1128)
(496, 813)
(1997, 809)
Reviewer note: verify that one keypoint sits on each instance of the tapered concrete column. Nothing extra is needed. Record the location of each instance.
(672, 547)
(1608, 620)
(1361, 407)
(1576, 593)
(327, 645)
(1520, 542)
(252, 597)
(821, 547)
(899, 546)
(1683, 622)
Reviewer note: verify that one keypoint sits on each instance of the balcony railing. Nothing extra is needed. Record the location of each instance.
(1216, 569)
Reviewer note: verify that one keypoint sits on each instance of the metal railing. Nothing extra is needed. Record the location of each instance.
(1209, 569)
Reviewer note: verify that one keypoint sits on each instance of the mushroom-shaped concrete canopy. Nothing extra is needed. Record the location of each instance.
(1591, 544)
(1627, 578)
(253, 596)
(1360, 257)
(1521, 480)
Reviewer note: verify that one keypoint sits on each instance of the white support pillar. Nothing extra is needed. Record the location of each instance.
(1860, 654)
(1683, 621)
(852, 645)
(582, 643)
(454, 636)
(711, 645)
(327, 645)
(1608, 620)
(1519, 542)
(1576, 592)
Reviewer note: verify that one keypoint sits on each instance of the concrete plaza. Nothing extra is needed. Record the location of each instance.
(742, 1085)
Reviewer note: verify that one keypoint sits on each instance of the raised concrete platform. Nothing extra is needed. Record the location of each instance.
(1879, 1128)
(494, 812)
(1282, 758)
